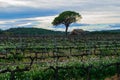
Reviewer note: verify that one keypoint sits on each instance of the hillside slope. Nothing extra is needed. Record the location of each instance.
(30, 31)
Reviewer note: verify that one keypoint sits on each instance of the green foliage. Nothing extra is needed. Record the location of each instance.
(74, 70)
(73, 67)
(14, 57)
(29, 31)
(66, 18)
(107, 32)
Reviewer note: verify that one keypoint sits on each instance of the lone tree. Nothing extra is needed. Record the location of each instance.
(66, 18)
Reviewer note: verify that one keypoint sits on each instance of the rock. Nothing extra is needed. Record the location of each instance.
(78, 32)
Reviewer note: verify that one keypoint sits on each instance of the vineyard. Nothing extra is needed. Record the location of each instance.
(55, 57)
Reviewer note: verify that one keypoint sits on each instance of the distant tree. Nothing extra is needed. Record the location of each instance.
(66, 18)
(1, 31)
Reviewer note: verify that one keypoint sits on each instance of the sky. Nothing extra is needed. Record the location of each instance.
(96, 14)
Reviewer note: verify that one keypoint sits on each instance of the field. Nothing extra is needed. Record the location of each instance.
(56, 57)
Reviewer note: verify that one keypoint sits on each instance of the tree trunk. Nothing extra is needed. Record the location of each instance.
(67, 25)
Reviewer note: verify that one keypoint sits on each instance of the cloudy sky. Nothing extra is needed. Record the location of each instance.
(97, 14)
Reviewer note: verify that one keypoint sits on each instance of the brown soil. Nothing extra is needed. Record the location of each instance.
(113, 78)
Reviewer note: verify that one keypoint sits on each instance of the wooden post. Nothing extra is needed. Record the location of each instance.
(12, 75)
(70, 50)
(88, 73)
(36, 55)
(118, 70)
(56, 73)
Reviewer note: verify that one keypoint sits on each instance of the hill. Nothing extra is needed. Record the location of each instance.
(107, 32)
(30, 31)
(39, 31)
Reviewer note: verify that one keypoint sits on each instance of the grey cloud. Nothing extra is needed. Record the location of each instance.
(92, 10)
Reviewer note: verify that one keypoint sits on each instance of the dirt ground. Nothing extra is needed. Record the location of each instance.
(113, 78)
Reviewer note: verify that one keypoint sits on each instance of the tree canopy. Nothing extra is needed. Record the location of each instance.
(66, 18)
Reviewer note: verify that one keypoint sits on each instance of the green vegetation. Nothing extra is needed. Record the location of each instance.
(39, 31)
(66, 18)
(39, 54)
(29, 31)
(107, 32)
(59, 57)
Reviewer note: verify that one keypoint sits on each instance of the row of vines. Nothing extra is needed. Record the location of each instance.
(59, 58)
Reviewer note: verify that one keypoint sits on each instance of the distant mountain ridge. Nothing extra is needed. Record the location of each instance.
(29, 31)
(117, 31)
(39, 31)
